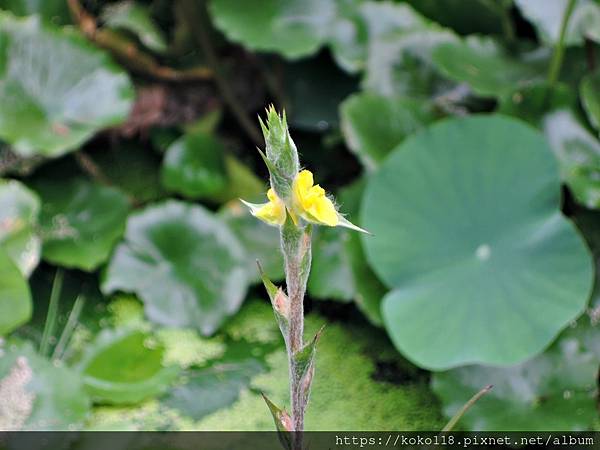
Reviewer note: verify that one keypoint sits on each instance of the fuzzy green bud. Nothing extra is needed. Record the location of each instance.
(281, 153)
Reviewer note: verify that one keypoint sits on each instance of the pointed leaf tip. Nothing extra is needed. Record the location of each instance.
(270, 287)
(283, 421)
(343, 222)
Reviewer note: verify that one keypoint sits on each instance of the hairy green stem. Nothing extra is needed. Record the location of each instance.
(52, 315)
(559, 49)
(295, 245)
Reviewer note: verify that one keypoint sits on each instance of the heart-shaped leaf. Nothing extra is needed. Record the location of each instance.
(60, 88)
(553, 391)
(124, 367)
(38, 394)
(373, 125)
(590, 97)
(184, 263)
(469, 233)
(19, 210)
(194, 167)
(80, 221)
(15, 298)
(547, 15)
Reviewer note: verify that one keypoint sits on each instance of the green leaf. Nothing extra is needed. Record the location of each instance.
(184, 263)
(124, 367)
(260, 241)
(553, 391)
(484, 66)
(531, 103)
(209, 389)
(369, 289)
(293, 28)
(40, 395)
(19, 211)
(194, 167)
(55, 11)
(136, 18)
(133, 168)
(469, 233)
(241, 182)
(373, 124)
(80, 221)
(283, 423)
(546, 16)
(590, 97)
(331, 272)
(397, 52)
(15, 298)
(60, 88)
(578, 153)
(464, 16)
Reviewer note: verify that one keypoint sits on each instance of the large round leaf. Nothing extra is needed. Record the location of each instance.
(553, 391)
(80, 221)
(469, 233)
(184, 263)
(56, 89)
(15, 298)
(38, 394)
(19, 210)
(125, 366)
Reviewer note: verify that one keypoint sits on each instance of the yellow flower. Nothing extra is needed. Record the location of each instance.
(311, 202)
(272, 212)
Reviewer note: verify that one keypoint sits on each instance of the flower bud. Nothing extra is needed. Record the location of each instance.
(281, 154)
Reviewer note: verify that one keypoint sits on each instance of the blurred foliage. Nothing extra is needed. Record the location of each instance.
(128, 133)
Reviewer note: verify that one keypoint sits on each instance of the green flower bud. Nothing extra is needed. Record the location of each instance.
(281, 154)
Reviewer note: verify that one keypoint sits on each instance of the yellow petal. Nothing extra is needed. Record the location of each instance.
(312, 202)
(272, 212)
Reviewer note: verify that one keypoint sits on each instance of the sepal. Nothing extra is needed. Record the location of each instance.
(283, 423)
(304, 360)
(343, 222)
(280, 303)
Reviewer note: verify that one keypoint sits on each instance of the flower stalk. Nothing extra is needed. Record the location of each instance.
(295, 205)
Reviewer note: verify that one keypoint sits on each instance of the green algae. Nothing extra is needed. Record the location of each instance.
(345, 394)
